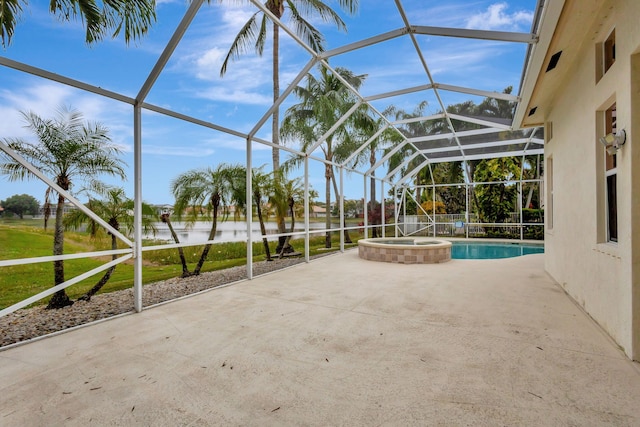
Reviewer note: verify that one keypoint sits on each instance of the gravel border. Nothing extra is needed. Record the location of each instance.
(29, 323)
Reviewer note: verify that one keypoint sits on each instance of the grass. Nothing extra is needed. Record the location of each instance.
(27, 239)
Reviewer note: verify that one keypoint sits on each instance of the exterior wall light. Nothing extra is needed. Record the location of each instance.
(613, 142)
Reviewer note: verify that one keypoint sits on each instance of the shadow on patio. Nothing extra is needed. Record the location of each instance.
(339, 341)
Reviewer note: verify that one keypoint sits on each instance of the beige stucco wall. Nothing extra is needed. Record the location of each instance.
(598, 275)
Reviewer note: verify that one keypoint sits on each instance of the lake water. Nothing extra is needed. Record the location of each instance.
(226, 231)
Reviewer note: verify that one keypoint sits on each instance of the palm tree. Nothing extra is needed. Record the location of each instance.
(261, 187)
(364, 127)
(67, 149)
(205, 191)
(254, 35)
(117, 210)
(133, 18)
(285, 195)
(323, 101)
(166, 219)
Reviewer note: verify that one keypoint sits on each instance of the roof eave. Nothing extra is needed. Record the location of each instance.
(546, 28)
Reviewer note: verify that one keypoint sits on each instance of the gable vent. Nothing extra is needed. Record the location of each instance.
(553, 62)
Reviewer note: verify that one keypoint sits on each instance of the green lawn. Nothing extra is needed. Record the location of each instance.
(27, 238)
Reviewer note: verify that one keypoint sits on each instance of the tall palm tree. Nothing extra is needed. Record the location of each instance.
(205, 191)
(364, 127)
(133, 18)
(254, 35)
(117, 210)
(68, 149)
(323, 101)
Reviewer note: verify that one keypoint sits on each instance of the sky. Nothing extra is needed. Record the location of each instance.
(191, 83)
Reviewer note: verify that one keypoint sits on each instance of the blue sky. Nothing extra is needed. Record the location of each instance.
(191, 84)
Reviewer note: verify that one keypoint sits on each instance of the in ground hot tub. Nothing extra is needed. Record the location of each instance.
(405, 250)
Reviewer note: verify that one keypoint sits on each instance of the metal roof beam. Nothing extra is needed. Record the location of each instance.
(419, 119)
(400, 166)
(335, 126)
(398, 92)
(413, 173)
(451, 134)
(387, 156)
(475, 146)
(487, 156)
(484, 93)
(504, 36)
(480, 122)
(365, 144)
(363, 43)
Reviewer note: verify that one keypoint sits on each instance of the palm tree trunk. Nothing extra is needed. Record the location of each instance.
(257, 198)
(185, 270)
(107, 275)
(293, 224)
(212, 234)
(59, 299)
(275, 123)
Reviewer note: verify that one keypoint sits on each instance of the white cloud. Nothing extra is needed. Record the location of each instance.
(248, 79)
(496, 17)
(45, 98)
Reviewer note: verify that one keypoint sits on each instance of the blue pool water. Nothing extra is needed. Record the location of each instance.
(485, 250)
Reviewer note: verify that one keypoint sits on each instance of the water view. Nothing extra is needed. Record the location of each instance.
(226, 231)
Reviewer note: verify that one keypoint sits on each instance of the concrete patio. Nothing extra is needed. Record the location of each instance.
(339, 341)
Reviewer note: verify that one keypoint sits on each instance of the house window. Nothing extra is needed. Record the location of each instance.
(609, 52)
(549, 207)
(611, 177)
(605, 55)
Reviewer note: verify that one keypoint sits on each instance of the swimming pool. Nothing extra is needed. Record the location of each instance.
(492, 250)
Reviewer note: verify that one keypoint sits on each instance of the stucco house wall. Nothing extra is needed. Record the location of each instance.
(601, 276)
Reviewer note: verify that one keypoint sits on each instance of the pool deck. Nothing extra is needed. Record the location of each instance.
(339, 341)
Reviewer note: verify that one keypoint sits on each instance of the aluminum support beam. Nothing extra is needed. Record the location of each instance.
(480, 121)
(39, 72)
(398, 92)
(503, 36)
(419, 119)
(451, 135)
(36, 172)
(282, 97)
(484, 93)
(405, 163)
(335, 126)
(363, 43)
(476, 146)
(168, 50)
(387, 156)
(365, 144)
(137, 208)
(249, 214)
(306, 209)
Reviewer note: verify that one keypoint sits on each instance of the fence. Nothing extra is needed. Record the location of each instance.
(458, 225)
